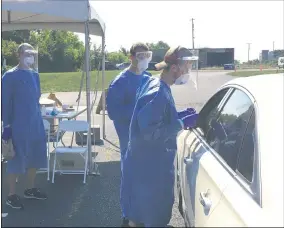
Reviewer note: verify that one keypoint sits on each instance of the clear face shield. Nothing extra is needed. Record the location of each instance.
(189, 68)
(31, 59)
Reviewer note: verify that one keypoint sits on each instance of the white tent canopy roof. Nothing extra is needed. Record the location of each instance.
(69, 15)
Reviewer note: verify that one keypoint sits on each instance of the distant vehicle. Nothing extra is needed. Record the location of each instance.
(281, 62)
(229, 66)
(109, 66)
(122, 66)
(230, 166)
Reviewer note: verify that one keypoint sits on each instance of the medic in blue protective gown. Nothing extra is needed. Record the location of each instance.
(120, 102)
(148, 184)
(21, 110)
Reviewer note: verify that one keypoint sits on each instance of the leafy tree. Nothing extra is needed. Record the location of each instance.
(124, 51)
(9, 51)
(116, 57)
(158, 45)
(19, 37)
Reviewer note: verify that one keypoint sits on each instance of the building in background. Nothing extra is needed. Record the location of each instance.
(274, 55)
(158, 55)
(263, 56)
(208, 57)
(215, 57)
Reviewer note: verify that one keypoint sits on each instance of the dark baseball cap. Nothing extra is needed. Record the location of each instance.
(174, 55)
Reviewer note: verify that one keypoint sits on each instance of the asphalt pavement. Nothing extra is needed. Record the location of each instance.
(96, 203)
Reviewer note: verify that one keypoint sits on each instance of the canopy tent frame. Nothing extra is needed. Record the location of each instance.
(48, 14)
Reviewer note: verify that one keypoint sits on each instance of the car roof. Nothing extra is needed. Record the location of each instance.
(267, 91)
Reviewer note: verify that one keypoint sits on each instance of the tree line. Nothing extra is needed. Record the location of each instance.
(60, 51)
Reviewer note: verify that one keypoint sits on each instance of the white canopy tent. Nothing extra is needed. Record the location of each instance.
(76, 16)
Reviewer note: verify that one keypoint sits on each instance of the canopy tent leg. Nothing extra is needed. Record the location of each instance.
(103, 86)
(91, 168)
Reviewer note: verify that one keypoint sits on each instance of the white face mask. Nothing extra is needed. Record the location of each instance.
(183, 79)
(28, 61)
(143, 65)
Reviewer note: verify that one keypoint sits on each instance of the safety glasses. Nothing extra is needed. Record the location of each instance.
(29, 52)
(144, 55)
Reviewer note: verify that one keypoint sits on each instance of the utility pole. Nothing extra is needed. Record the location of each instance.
(273, 46)
(192, 32)
(248, 49)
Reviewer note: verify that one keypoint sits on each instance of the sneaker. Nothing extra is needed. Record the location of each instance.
(14, 201)
(34, 193)
(124, 222)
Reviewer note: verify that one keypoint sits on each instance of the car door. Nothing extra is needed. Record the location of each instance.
(188, 171)
(226, 140)
(241, 200)
(213, 159)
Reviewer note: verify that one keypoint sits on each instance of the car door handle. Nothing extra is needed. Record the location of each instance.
(204, 200)
(188, 160)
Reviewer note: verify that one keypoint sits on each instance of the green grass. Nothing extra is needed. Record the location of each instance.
(70, 81)
(253, 73)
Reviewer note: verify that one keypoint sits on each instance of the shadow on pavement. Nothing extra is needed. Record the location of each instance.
(70, 203)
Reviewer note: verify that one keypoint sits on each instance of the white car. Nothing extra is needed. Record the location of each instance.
(230, 167)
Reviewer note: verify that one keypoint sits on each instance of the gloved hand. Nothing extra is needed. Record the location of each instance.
(186, 112)
(7, 133)
(190, 121)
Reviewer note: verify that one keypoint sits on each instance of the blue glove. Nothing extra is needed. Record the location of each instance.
(190, 121)
(7, 133)
(186, 112)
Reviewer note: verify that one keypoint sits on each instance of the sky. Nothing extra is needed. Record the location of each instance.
(218, 24)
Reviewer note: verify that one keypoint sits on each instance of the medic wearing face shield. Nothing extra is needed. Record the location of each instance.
(121, 95)
(148, 174)
(23, 124)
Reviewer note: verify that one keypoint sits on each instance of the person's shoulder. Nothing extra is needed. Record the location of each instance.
(35, 73)
(10, 74)
(152, 89)
(119, 78)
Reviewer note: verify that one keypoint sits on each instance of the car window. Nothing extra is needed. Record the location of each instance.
(210, 110)
(247, 151)
(226, 132)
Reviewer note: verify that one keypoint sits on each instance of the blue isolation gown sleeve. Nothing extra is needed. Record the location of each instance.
(36, 75)
(151, 119)
(7, 99)
(116, 101)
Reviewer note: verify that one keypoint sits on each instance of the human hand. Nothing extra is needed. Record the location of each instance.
(186, 112)
(7, 133)
(189, 121)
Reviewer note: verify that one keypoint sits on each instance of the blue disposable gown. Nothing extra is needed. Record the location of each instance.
(120, 103)
(21, 110)
(148, 185)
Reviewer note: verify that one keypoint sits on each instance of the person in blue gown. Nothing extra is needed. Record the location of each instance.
(148, 172)
(23, 124)
(121, 95)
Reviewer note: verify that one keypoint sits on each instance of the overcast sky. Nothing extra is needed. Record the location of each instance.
(229, 24)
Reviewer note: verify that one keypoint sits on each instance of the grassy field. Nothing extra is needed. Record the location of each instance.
(70, 81)
(252, 73)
